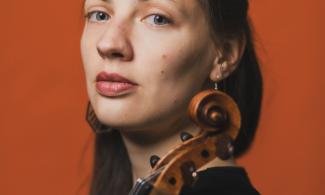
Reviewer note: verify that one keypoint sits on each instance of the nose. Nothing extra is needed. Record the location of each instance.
(114, 44)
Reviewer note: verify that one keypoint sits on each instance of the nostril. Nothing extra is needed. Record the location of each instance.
(110, 53)
(117, 55)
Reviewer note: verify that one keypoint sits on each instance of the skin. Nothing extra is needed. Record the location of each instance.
(166, 48)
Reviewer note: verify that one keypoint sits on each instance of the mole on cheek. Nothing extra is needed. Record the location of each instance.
(164, 56)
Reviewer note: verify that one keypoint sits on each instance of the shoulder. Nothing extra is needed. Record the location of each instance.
(221, 181)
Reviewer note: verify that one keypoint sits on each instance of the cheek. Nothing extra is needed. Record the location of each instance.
(88, 43)
(89, 54)
(90, 62)
(85, 48)
(172, 81)
(182, 72)
(180, 67)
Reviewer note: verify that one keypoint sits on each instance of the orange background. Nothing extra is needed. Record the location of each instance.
(45, 144)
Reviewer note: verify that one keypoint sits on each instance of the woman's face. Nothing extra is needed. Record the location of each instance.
(144, 60)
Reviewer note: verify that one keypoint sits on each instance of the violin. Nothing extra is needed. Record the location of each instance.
(218, 117)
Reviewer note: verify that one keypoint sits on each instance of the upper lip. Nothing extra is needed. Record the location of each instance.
(112, 77)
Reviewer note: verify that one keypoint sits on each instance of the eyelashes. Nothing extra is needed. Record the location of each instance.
(97, 16)
(157, 19)
(154, 19)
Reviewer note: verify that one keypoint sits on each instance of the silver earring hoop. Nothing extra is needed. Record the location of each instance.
(219, 76)
(224, 66)
(216, 86)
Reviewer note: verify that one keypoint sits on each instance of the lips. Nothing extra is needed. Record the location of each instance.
(113, 84)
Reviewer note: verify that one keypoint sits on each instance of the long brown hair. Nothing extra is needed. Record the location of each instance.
(112, 174)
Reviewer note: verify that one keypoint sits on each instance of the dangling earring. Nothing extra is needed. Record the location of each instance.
(216, 86)
(223, 67)
(94, 123)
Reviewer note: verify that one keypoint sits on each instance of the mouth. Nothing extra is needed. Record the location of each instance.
(113, 85)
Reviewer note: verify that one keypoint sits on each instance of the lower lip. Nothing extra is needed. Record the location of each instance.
(114, 89)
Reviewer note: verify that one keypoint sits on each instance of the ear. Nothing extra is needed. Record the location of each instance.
(227, 60)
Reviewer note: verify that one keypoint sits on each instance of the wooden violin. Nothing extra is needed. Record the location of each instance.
(219, 119)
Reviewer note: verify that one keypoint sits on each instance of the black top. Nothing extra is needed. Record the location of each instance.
(221, 181)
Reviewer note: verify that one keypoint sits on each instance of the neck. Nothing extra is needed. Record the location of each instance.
(141, 145)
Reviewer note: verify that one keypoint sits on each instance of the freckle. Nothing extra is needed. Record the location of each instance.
(164, 56)
(162, 72)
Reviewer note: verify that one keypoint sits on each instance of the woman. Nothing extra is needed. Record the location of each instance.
(144, 60)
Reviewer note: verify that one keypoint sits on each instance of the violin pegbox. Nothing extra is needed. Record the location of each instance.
(217, 113)
(219, 118)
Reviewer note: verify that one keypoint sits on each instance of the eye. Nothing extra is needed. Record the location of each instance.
(97, 16)
(156, 19)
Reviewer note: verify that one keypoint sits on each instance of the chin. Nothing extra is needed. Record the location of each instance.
(111, 119)
(125, 118)
(117, 113)
(132, 113)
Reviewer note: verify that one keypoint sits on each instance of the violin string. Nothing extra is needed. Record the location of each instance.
(154, 175)
(157, 172)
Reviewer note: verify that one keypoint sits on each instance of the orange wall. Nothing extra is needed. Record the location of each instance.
(42, 129)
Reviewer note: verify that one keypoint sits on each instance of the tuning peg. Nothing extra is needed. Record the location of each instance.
(186, 136)
(224, 147)
(154, 160)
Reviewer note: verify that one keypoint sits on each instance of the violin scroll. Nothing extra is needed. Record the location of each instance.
(215, 111)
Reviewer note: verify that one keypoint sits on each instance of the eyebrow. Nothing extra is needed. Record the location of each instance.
(174, 1)
(144, 0)
(109, 1)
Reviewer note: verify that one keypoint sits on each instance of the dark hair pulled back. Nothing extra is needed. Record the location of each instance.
(112, 174)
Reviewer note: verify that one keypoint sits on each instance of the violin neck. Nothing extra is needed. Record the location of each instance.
(141, 187)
